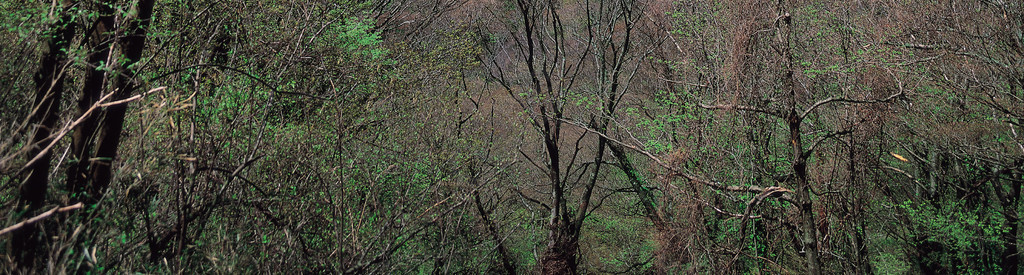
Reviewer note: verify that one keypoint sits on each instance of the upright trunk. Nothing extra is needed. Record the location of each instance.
(794, 119)
(1010, 201)
(110, 131)
(1011, 257)
(861, 260)
(27, 243)
(809, 235)
(101, 39)
(560, 255)
(647, 200)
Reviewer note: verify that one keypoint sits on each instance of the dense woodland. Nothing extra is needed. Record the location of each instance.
(511, 136)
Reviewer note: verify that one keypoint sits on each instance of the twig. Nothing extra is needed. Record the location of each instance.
(729, 107)
(918, 46)
(817, 141)
(71, 125)
(245, 73)
(675, 172)
(848, 100)
(897, 170)
(40, 217)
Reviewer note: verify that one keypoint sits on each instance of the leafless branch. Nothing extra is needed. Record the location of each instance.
(675, 172)
(729, 107)
(727, 213)
(833, 99)
(919, 46)
(40, 217)
(897, 170)
(71, 125)
(817, 141)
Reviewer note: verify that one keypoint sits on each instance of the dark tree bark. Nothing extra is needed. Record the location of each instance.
(101, 38)
(855, 209)
(647, 199)
(560, 255)
(554, 68)
(507, 262)
(808, 230)
(28, 242)
(1010, 201)
(794, 121)
(109, 135)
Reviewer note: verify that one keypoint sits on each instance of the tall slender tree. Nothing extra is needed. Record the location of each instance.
(30, 242)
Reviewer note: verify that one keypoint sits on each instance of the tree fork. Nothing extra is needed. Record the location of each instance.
(113, 119)
(101, 38)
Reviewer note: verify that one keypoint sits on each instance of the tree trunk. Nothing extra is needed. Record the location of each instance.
(809, 235)
(101, 39)
(506, 260)
(113, 118)
(647, 200)
(1011, 257)
(28, 242)
(1010, 200)
(794, 119)
(560, 255)
(861, 261)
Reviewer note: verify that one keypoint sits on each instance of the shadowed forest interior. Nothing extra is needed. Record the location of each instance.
(511, 136)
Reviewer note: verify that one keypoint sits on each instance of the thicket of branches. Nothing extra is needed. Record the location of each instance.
(511, 136)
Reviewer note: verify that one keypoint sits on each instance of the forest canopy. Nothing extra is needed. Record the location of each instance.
(511, 136)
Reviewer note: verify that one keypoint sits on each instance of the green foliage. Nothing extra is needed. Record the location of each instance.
(962, 228)
(618, 243)
(890, 259)
(356, 36)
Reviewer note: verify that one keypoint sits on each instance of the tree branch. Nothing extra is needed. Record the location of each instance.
(772, 190)
(832, 99)
(919, 46)
(40, 217)
(817, 141)
(729, 107)
(71, 125)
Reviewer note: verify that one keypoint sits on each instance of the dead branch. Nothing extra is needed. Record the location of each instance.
(729, 107)
(832, 99)
(40, 217)
(71, 125)
(919, 46)
(772, 190)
